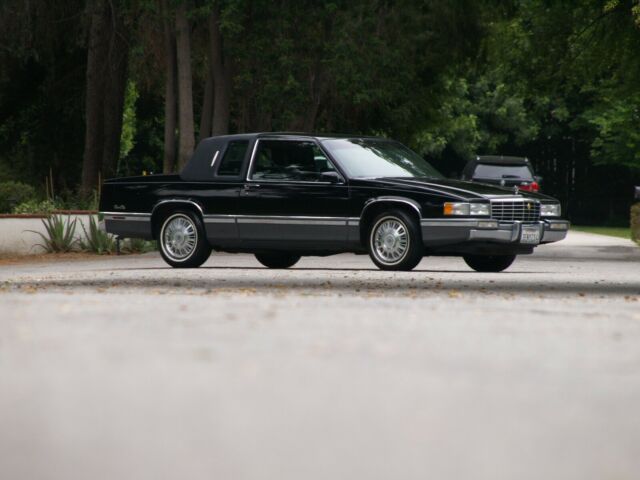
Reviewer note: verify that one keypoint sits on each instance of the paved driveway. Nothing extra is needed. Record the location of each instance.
(121, 368)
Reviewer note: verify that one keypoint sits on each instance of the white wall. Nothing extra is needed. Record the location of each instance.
(16, 240)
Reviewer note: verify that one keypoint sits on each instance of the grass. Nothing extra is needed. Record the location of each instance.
(620, 232)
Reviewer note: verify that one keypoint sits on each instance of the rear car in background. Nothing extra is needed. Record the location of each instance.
(503, 171)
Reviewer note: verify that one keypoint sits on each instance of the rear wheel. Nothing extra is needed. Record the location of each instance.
(489, 263)
(182, 240)
(395, 242)
(277, 259)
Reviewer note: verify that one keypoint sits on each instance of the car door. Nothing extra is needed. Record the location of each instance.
(293, 193)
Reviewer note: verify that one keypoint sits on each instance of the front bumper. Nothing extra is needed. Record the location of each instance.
(440, 232)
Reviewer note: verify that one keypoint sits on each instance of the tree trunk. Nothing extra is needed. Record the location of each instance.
(115, 88)
(169, 160)
(221, 77)
(207, 107)
(107, 61)
(185, 96)
(96, 61)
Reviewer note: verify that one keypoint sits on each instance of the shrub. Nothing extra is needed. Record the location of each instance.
(96, 240)
(60, 234)
(635, 222)
(13, 194)
(138, 245)
(34, 206)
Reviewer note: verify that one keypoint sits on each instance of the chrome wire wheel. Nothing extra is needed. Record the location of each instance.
(390, 240)
(179, 237)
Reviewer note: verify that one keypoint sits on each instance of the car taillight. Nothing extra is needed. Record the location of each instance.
(529, 187)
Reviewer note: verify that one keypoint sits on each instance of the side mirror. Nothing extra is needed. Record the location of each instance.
(637, 192)
(331, 177)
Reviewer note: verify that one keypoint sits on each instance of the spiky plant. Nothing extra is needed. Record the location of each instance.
(60, 236)
(96, 240)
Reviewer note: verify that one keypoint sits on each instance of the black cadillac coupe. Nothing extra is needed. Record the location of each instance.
(281, 196)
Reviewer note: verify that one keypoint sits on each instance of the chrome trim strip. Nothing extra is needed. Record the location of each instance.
(251, 160)
(212, 219)
(177, 200)
(512, 199)
(412, 203)
(127, 218)
(127, 214)
(213, 160)
(454, 222)
(290, 221)
(282, 220)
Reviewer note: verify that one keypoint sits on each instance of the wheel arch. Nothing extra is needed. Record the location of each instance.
(164, 207)
(379, 205)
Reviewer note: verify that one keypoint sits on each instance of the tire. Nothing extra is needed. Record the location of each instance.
(489, 263)
(277, 259)
(182, 240)
(395, 241)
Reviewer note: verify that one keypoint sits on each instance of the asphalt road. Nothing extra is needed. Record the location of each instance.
(121, 368)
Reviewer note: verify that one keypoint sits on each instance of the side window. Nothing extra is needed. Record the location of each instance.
(286, 160)
(231, 163)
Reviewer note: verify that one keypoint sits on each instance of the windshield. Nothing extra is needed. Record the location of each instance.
(503, 171)
(378, 158)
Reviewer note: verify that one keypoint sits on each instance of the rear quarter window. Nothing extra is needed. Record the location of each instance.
(231, 163)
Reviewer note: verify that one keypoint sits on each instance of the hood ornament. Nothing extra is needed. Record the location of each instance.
(516, 190)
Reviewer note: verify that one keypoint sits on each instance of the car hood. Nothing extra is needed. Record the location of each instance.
(456, 189)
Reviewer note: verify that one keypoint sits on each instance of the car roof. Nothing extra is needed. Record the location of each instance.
(317, 136)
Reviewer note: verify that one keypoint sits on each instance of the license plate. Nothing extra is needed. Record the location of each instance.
(530, 235)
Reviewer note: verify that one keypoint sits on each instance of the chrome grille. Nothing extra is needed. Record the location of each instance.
(512, 210)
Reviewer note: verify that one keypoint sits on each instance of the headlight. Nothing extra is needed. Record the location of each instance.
(467, 209)
(550, 210)
(480, 209)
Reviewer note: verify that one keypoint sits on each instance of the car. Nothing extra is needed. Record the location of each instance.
(504, 171)
(282, 196)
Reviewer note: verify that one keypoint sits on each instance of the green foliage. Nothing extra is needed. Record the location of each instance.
(13, 194)
(127, 137)
(138, 245)
(96, 240)
(617, 139)
(60, 234)
(35, 207)
(477, 118)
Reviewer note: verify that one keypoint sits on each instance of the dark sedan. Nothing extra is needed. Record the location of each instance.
(283, 196)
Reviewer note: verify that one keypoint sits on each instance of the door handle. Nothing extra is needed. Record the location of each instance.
(250, 187)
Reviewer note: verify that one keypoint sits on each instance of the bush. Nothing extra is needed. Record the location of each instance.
(34, 206)
(96, 240)
(138, 245)
(635, 222)
(13, 194)
(60, 234)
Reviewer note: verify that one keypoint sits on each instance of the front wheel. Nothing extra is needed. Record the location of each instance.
(489, 263)
(395, 241)
(182, 240)
(277, 260)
